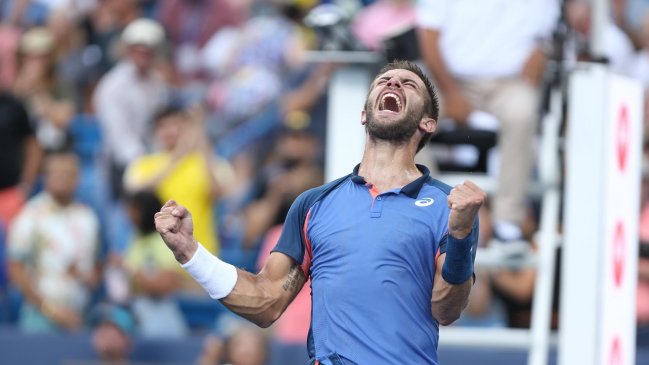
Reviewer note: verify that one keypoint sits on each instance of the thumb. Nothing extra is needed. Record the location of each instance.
(169, 204)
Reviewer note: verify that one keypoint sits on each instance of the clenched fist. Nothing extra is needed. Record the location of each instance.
(464, 200)
(174, 222)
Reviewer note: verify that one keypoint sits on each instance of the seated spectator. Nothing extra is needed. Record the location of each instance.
(111, 339)
(246, 346)
(487, 56)
(642, 296)
(52, 249)
(153, 271)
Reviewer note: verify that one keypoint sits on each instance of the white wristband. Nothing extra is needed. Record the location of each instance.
(215, 276)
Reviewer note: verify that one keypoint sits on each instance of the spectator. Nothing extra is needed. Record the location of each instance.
(20, 156)
(103, 27)
(263, 54)
(618, 49)
(191, 24)
(246, 346)
(9, 43)
(292, 170)
(154, 273)
(185, 169)
(640, 64)
(488, 56)
(52, 248)
(113, 327)
(382, 20)
(37, 83)
(642, 297)
(128, 96)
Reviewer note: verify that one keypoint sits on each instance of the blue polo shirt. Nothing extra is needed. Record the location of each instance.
(371, 259)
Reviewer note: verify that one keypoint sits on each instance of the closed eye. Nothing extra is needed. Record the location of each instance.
(410, 83)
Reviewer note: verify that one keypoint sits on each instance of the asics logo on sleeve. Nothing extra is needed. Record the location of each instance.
(424, 202)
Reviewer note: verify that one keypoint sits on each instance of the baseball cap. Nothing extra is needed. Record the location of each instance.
(144, 32)
(111, 313)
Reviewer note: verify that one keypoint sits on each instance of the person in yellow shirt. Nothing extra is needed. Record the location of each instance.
(184, 170)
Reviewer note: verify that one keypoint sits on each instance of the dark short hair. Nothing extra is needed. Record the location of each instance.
(432, 107)
(59, 153)
(165, 112)
(148, 204)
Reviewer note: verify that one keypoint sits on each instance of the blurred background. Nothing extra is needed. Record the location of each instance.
(108, 108)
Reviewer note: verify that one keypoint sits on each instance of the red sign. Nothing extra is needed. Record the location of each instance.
(619, 246)
(615, 358)
(623, 137)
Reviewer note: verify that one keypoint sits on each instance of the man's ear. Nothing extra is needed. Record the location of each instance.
(363, 118)
(428, 125)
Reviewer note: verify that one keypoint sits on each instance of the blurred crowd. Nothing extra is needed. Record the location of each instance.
(109, 108)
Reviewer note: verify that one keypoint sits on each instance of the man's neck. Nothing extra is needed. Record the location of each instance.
(61, 201)
(387, 166)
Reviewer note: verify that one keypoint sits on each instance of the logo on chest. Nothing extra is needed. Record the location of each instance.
(424, 202)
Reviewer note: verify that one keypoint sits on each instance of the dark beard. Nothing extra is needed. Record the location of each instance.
(397, 133)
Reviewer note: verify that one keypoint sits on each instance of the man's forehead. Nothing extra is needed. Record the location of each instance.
(401, 73)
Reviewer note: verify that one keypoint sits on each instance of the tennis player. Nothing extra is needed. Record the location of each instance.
(389, 249)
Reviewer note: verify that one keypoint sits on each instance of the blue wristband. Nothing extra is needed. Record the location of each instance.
(460, 254)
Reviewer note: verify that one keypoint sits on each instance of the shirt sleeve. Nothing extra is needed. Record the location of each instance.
(293, 241)
(25, 128)
(20, 241)
(544, 18)
(431, 14)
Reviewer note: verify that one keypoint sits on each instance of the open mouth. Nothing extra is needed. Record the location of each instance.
(391, 102)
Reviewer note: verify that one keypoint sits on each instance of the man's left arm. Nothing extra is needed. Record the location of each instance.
(454, 268)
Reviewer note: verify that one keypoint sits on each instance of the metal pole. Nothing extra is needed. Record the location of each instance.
(548, 240)
(599, 20)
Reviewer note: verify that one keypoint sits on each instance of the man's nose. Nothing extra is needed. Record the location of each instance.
(394, 82)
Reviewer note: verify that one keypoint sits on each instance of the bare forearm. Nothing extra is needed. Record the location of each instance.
(517, 284)
(259, 300)
(449, 300)
(643, 269)
(157, 284)
(429, 45)
(33, 155)
(20, 278)
(210, 167)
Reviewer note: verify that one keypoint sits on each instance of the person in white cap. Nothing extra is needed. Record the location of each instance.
(129, 95)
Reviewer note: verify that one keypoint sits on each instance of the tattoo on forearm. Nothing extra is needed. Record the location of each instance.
(294, 280)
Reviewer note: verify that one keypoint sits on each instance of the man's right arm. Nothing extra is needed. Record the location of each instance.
(430, 51)
(260, 298)
(263, 297)
(456, 105)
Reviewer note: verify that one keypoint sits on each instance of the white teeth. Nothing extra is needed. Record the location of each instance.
(393, 95)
